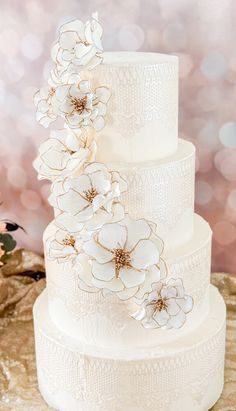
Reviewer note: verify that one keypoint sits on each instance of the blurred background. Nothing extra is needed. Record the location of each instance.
(200, 32)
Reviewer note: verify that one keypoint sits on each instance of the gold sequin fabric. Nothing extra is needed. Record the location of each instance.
(18, 291)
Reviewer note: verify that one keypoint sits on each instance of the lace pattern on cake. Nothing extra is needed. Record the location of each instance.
(150, 191)
(82, 305)
(107, 384)
(142, 94)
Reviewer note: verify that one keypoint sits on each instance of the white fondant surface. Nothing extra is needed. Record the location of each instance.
(187, 373)
(162, 191)
(142, 119)
(106, 322)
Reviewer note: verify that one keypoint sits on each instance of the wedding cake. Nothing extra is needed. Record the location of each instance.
(128, 320)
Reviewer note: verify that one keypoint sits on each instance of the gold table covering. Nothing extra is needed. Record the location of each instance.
(18, 291)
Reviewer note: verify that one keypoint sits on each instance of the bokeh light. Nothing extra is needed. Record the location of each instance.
(224, 232)
(213, 65)
(227, 134)
(131, 37)
(204, 192)
(31, 46)
(232, 200)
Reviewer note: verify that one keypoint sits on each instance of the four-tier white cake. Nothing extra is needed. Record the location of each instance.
(128, 320)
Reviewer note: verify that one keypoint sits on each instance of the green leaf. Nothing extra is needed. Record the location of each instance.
(8, 242)
(5, 258)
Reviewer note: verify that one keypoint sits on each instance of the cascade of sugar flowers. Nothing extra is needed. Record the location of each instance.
(124, 255)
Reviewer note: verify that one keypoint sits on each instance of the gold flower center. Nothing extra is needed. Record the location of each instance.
(85, 43)
(79, 104)
(51, 91)
(161, 304)
(122, 259)
(90, 194)
(71, 152)
(69, 240)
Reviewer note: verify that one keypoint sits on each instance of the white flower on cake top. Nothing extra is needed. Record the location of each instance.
(65, 150)
(79, 45)
(125, 258)
(80, 105)
(166, 306)
(92, 197)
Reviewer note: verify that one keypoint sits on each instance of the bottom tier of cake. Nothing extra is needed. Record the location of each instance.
(185, 375)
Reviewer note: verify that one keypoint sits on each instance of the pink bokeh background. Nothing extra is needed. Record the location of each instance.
(200, 32)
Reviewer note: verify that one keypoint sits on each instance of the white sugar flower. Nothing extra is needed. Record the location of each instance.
(91, 197)
(166, 306)
(65, 150)
(45, 110)
(64, 246)
(125, 258)
(79, 45)
(80, 105)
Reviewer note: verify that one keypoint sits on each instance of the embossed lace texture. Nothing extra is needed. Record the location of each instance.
(161, 193)
(142, 94)
(108, 385)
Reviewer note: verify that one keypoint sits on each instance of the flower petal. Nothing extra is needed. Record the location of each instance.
(168, 292)
(68, 40)
(102, 109)
(112, 236)
(153, 276)
(99, 123)
(161, 318)
(96, 251)
(127, 293)
(103, 272)
(139, 314)
(123, 186)
(101, 181)
(81, 184)
(177, 321)
(173, 308)
(144, 254)
(68, 222)
(131, 277)
(153, 296)
(103, 94)
(97, 220)
(115, 285)
(71, 202)
(137, 230)
(118, 213)
(186, 303)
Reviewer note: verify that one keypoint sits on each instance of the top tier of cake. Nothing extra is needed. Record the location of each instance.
(142, 117)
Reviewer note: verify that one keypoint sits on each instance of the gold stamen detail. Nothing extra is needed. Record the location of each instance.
(79, 104)
(85, 43)
(67, 150)
(122, 259)
(161, 304)
(69, 240)
(90, 194)
(51, 91)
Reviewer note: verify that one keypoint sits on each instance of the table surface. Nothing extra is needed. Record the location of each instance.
(18, 291)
